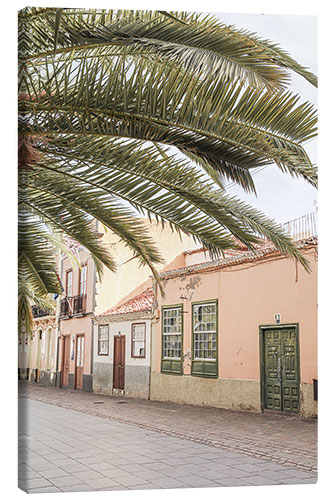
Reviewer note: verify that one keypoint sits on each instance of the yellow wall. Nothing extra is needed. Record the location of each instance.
(131, 279)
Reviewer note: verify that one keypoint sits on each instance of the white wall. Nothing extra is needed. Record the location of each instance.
(124, 327)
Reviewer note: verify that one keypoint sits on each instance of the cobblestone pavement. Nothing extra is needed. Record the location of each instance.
(280, 438)
(65, 450)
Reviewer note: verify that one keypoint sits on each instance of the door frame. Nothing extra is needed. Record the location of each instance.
(277, 326)
(115, 337)
(75, 358)
(65, 338)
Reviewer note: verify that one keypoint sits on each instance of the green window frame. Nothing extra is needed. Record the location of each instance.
(172, 339)
(205, 339)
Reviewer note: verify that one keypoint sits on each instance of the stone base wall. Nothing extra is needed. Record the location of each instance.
(231, 394)
(102, 378)
(43, 377)
(136, 380)
(219, 393)
(308, 407)
(87, 382)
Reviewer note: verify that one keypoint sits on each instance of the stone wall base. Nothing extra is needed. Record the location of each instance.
(308, 407)
(136, 380)
(43, 377)
(230, 394)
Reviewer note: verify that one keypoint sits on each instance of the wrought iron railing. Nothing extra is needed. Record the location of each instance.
(38, 312)
(79, 303)
(73, 305)
(66, 306)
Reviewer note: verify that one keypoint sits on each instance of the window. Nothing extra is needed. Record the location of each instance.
(79, 350)
(204, 339)
(103, 340)
(172, 332)
(49, 349)
(83, 280)
(139, 340)
(69, 283)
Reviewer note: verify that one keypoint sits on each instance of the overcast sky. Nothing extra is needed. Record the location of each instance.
(279, 195)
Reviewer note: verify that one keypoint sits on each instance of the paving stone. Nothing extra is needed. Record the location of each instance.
(116, 472)
(76, 467)
(33, 483)
(77, 487)
(28, 474)
(134, 468)
(65, 481)
(157, 466)
(258, 480)
(196, 481)
(55, 472)
(234, 482)
(103, 482)
(131, 480)
(88, 474)
(151, 474)
(45, 489)
(215, 474)
(169, 482)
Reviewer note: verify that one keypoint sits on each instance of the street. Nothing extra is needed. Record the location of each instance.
(75, 441)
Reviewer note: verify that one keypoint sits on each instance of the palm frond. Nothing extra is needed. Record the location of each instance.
(197, 43)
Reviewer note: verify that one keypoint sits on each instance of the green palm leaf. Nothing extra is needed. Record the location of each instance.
(104, 94)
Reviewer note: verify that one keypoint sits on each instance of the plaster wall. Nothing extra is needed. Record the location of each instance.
(119, 287)
(136, 369)
(72, 328)
(248, 296)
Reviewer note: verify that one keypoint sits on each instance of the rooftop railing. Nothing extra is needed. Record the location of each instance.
(302, 227)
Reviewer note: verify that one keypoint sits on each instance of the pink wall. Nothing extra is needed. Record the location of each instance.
(79, 324)
(248, 296)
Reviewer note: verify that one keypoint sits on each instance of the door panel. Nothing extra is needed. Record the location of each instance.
(289, 371)
(119, 362)
(65, 361)
(79, 361)
(272, 370)
(281, 370)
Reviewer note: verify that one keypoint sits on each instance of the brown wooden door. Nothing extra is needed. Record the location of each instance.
(79, 361)
(119, 362)
(66, 352)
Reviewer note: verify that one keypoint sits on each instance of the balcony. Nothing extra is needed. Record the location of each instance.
(71, 306)
(37, 312)
(80, 302)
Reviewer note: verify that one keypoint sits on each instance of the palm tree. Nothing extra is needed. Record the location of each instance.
(127, 112)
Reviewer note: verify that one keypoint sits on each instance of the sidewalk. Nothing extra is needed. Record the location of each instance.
(65, 450)
(280, 438)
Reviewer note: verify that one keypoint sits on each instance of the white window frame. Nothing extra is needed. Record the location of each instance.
(170, 333)
(104, 340)
(203, 331)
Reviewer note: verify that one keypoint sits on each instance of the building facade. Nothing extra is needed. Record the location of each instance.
(122, 354)
(76, 310)
(37, 354)
(238, 333)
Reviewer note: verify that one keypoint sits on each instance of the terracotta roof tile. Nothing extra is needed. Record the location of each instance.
(263, 250)
(140, 303)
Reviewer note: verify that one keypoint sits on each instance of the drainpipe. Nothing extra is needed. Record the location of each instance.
(92, 321)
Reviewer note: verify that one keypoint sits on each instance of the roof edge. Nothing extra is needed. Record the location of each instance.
(247, 256)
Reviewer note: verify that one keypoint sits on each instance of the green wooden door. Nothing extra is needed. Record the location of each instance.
(272, 341)
(280, 371)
